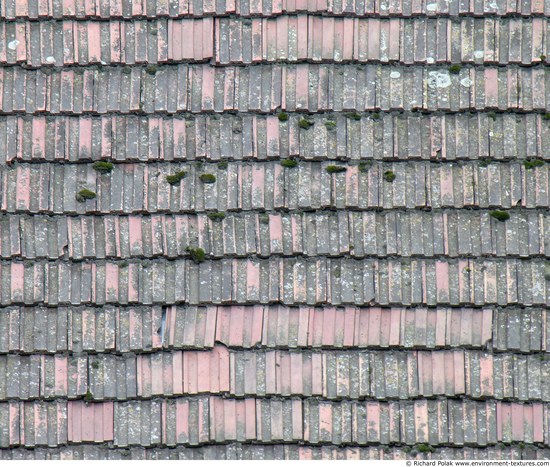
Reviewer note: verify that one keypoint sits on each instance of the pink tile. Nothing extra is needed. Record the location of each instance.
(208, 88)
(74, 416)
(491, 87)
(442, 281)
(230, 413)
(517, 422)
(94, 42)
(328, 320)
(373, 421)
(61, 375)
(440, 360)
(538, 418)
(182, 420)
(459, 372)
(17, 282)
(486, 375)
(375, 315)
(421, 421)
(23, 193)
(111, 282)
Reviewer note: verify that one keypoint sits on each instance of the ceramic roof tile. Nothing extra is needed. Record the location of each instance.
(364, 304)
(441, 87)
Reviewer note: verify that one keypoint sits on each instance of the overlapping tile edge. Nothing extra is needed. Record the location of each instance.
(299, 247)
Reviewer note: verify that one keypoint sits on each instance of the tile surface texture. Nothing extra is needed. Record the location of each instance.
(269, 229)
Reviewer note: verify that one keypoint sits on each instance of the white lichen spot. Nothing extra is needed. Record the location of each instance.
(395, 74)
(466, 82)
(430, 60)
(479, 54)
(13, 44)
(50, 59)
(438, 79)
(103, 63)
(383, 7)
(431, 6)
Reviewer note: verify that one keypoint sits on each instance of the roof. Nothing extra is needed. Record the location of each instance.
(271, 229)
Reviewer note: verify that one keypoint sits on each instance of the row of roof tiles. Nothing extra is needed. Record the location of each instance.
(248, 451)
(200, 420)
(136, 188)
(287, 280)
(500, 136)
(348, 374)
(265, 88)
(146, 329)
(285, 38)
(37, 9)
(454, 233)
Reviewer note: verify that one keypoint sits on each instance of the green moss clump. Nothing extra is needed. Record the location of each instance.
(151, 69)
(103, 167)
(485, 161)
(289, 163)
(95, 365)
(282, 116)
(375, 116)
(334, 169)
(197, 254)
(532, 163)
(500, 215)
(216, 216)
(455, 69)
(542, 57)
(546, 116)
(365, 166)
(85, 194)
(222, 165)
(175, 179)
(330, 124)
(492, 115)
(208, 178)
(126, 70)
(264, 218)
(89, 397)
(353, 116)
(424, 448)
(389, 176)
(305, 124)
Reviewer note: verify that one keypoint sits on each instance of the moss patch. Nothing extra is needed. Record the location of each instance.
(305, 124)
(330, 125)
(282, 116)
(197, 254)
(455, 69)
(216, 216)
(389, 176)
(84, 195)
(334, 169)
(532, 163)
(89, 397)
(151, 69)
(364, 166)
(500, 215)
(208, 178)
(425, 448)
(175, 179)
(103, 167)
(263, 218)
(353, 116)
(222, 165)
(289, 163)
